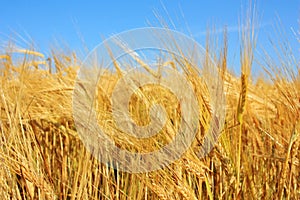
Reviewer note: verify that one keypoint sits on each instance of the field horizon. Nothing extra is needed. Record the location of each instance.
(256, 156)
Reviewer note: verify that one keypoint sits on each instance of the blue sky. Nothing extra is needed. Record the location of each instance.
(66, 22)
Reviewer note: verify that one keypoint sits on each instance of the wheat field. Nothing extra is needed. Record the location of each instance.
(42, 156)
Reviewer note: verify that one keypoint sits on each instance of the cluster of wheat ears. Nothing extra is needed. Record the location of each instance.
(42, 156)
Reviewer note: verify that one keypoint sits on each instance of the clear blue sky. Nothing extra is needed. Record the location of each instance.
(62, 21)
